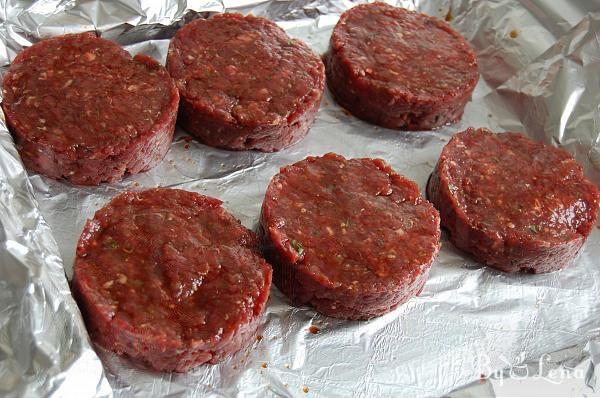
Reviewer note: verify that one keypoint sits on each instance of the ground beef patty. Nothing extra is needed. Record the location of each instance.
(170, 279)
(350, 237)
(80, 108)
(513, 203)
(400, 69)
(244, 83)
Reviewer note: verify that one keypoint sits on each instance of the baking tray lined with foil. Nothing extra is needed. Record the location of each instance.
(539, 65)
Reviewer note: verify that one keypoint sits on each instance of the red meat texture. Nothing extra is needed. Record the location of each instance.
(400, 69)
(244, 83)
(169, 279)
(81, 108)
(348, 236)
(513, 203)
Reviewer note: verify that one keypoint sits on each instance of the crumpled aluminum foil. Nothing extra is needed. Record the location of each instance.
(473, 331)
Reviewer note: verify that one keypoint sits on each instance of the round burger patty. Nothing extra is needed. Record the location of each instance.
(348, 236)
(170, 279)
(400, 69)
(513, 203)
(244, 83)
(81, 108)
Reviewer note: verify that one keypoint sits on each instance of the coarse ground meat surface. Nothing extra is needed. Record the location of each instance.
(348, 236)
(513, 203)
(400, 69)
(244, 83)
(170, 279)
(81, 108)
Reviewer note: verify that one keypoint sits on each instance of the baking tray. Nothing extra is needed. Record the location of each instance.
(473, 331)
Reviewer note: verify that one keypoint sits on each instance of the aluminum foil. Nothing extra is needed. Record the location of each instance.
(473, 331)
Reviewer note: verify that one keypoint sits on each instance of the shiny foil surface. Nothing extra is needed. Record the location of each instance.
(473, 331)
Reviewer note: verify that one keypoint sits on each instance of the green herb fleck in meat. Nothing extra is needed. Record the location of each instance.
(534, 228)
(297, 246)
(110, 243)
